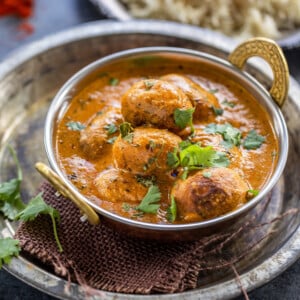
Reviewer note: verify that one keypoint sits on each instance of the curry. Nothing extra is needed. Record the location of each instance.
(166, 141)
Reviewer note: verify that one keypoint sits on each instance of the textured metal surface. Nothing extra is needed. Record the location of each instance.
(29, 79)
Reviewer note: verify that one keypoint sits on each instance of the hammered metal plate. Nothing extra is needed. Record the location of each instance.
(30, 78)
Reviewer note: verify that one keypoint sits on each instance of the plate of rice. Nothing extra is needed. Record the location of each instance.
(239, 19)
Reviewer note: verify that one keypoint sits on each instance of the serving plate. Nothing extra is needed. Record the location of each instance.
(116, 10)
(30, 77)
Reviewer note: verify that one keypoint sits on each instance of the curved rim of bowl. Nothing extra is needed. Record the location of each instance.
(62, 96)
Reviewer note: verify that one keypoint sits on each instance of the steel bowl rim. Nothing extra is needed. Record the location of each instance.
(62, 96)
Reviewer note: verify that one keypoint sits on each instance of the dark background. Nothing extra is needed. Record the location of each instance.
(54, 15)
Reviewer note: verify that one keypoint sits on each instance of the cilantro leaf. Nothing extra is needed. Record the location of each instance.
(37, 206)
(111, 128)
(231, 135)
(172, 211)
(149, 84)
(126, 131)
(253, 140)
(112, 140)
(213, 91)
(113, 81)
(217, 111)
(184, 117)
(149, 202)
(206, 174)
(10, 196)
(75, 126)
(253, 192)
(195, 156)
(228, 103)
(146, 181)
(172, 159)
(8, 248)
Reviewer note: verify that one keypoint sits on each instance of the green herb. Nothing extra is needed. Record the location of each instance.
(126, 207)
(206, 174)
(138, 215)
(274, 153)
(126, 132)
(146, 181)
(152, 145)
(8, 248)
(172, 211)
(10, 197)
(37, 206)
(99, 113)
(148, 84)
(184, 117)
(112, 140)
(252, 193)
(217, 111)
(213, 91)
(75, 126)
(230, 134)
(184, 144)
(253, 140)
(111, 128)
(195, 156)
(113, 81)
(229, 104)
(172, 159)
(149, 202)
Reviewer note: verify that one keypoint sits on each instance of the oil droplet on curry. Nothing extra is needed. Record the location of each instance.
(166, 141)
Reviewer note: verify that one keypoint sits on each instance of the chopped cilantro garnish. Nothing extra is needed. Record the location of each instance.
(172, 159)
(172, 211)
(228, 103)
(253, 140)
(149, 202)
(112, 140)
(217, 111)
(148, 84)
(75, 126)
(111, 128)
(213, 91)
(113, 81)
(126, 207)
(184, 117)
(206, 174)
(231, 135)
(146, 181)
(126, 131)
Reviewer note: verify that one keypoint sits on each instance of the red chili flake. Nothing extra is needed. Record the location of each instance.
(21, 8)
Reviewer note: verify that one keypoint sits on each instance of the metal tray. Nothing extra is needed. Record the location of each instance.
(31, 76)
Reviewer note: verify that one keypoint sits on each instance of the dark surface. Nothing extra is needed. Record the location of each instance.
(55, 15)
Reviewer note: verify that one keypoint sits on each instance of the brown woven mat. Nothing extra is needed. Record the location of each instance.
(99, 257)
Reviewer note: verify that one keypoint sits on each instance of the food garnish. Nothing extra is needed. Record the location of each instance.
(172, 211)
(8, 249)
(184, 117)
(111, 128)
(75, 126)
(253, 140)
(113, 81)
(149, 202)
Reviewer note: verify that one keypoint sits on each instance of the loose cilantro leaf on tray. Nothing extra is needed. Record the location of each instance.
(37, 206)
(172, 211)
(8, 248)
(149, 202)
(253, 140)
(75, 126)
(184, 117)
(10, 196)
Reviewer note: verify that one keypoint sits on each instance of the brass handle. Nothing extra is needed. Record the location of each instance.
(272, 53)
(60, 186)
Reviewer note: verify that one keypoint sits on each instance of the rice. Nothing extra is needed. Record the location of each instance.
(237, 18)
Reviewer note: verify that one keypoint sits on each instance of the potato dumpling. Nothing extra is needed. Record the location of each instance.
(209, 193)
(94, 139)
(153, 101)
(203, 101)
(119, 186)
(146, 152)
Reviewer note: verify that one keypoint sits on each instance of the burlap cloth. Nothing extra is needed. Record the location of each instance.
(101, 258)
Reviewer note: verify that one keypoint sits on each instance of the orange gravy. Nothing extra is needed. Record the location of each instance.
(106, 90)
